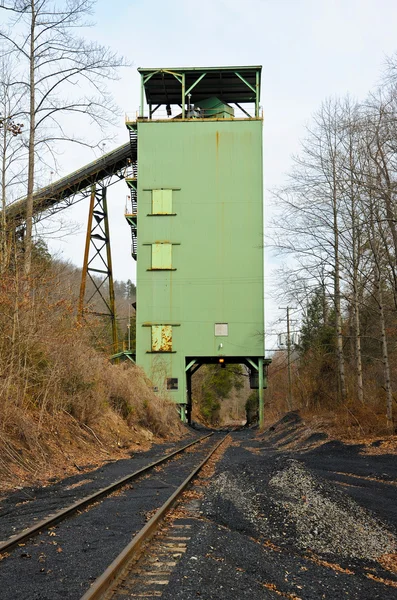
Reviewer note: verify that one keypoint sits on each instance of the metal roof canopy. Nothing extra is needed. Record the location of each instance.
(172, 86)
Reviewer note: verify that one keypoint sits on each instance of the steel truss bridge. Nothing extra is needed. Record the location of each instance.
(91, 181)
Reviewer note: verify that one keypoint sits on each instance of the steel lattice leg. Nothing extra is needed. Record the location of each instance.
(97, 266)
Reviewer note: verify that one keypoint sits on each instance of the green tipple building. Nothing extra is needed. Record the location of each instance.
(197, 225)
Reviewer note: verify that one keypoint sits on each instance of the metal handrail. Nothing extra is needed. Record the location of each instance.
(161, 115)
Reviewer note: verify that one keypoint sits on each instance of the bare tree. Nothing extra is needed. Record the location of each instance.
(61, 73)
(380, 175)
(377, 178)
(308, 225)
(352, 227)
(337, 224)
(11, 152)
(377, 251)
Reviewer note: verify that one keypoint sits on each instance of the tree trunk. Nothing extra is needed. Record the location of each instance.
(355, 282)
(386, 193)
(385, 353)
(337, 297)
(324, 299)
(29, 197)
(3, 241)
(357, 341)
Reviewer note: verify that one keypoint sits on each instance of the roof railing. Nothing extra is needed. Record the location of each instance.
(193, 113)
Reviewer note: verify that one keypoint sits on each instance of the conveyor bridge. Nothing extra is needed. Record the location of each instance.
(91, 180)
(103, 171)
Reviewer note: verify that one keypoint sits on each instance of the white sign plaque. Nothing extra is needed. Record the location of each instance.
(221, 329)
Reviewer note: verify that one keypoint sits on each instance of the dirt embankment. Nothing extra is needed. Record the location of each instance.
(294, 432)
(63, 405)
(62, 446)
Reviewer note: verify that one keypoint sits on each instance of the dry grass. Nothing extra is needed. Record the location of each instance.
(354, 423)
(389, 562)
(62, 403)
(315, 396)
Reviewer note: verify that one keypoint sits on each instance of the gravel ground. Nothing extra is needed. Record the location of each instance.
(272, 527)
(63, 561)
(375, 475)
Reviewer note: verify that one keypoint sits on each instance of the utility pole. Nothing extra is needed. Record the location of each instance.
(289, 362)
(289, 399)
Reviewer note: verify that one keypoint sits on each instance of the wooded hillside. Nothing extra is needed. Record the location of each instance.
(336, 223)
(62, 402)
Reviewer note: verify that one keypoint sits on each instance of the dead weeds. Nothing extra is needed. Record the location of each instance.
(388, 562)
(324, 563)
(272, 587)
(78, 484)
(366, 478)
(209, 469)
(64, 406)
(253, 450)
(388, 582)
(383, 446)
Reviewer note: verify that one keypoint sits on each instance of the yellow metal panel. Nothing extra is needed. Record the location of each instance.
(161, 338)
(161, 202)
(162, 256)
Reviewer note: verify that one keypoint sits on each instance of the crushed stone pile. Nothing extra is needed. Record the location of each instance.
(325, 519)
(242, 498)
(289, 505)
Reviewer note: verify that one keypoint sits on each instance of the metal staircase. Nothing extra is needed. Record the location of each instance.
(131, 214)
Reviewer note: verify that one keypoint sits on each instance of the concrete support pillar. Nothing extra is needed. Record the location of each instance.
(183, 413)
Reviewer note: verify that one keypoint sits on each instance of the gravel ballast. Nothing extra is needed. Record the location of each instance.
(326, 519)
(26, 505)
(63, 561)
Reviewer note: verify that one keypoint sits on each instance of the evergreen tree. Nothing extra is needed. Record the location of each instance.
(317, 331)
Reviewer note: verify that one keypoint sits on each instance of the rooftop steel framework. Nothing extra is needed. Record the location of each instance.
(238, 85)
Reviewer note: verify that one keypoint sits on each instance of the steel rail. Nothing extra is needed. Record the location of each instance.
(84, 502)
(102, 584)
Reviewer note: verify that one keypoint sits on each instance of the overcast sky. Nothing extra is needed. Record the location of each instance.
(309, 50)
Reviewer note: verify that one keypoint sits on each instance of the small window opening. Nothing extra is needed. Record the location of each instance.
(162, 256)
(172, 383)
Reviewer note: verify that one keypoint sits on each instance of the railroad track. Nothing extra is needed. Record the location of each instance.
(67, 512)
(61, 553)
(123, 574)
